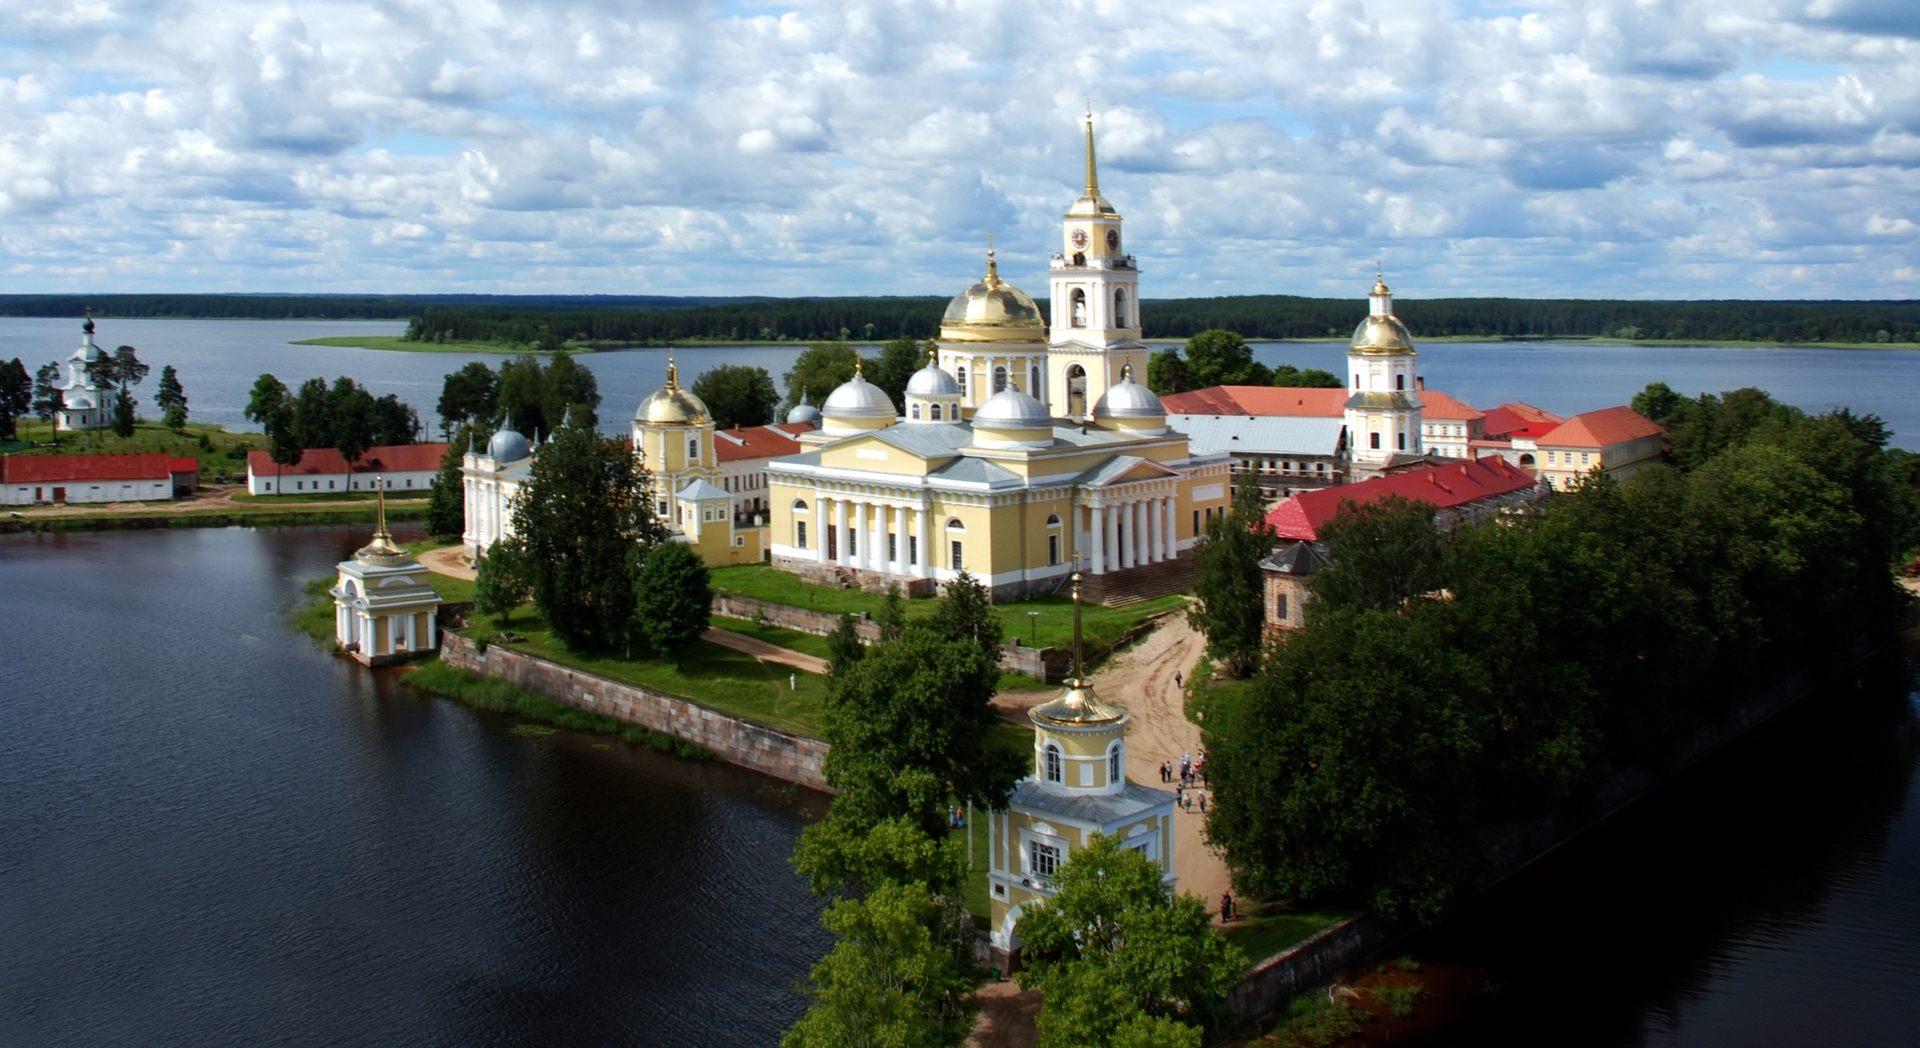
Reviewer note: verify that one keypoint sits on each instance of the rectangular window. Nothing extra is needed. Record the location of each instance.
(1374, 439)
(1583, 458)
(1402, 440)
(893, 547)
(329, 485)
(913, 549)
(1053, 549)
(299, 485)
(800, 533)
(1196, 522)
(1281, 607)
(1044, 859)
(959, 562)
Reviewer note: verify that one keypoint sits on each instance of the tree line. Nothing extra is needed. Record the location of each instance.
(344, 416)
(314, 307)
(1251, 316)
(1444, 686)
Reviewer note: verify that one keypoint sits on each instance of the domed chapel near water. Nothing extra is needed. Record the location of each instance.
(1020, 451)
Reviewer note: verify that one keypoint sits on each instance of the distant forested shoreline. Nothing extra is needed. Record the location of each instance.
(549, 321)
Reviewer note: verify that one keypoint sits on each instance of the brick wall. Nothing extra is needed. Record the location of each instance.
(783, 755)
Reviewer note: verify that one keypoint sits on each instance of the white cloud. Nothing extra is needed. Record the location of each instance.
(1604, 147)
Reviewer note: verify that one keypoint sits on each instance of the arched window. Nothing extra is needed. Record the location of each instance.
(693, 449)
(1526, 461)
(1113, 765)
(1119, 307)
(1053, 520)
(953, 524)
(1079, 311)
(799, 505)
(1076, 388)
(936, 412)
(915, 409)
(1051, 768)
(962, 376)
(999, 379)
(1033, 381)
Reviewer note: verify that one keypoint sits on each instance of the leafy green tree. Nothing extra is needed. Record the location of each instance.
(311, 409)
(16, 395)
(468, 397)
(500, 579)
(1223, 358)
(48, 398)
(585, 519)
(271, 406)
(1657, 401)
(899, 359)
(570, 388)
(816, 373)
(447, 505)
(966, 613)
(1229, 583)
(1382, 553)
(350, 419)
(1307, 378)
(104, 371)
(128, 371)
(123, 414)
(268, 398)
(394, 422)
(171, 399)
(900, 976)
(892, 618)
(1167, 373)
(844, 647)
(737, 395)
(675, 599)
(523, 395)
(1115, 950)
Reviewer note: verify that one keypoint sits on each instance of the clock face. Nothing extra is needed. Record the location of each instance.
(1113, 240)
(1079, 239)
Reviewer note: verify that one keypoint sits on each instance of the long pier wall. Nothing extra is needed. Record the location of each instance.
(781, 754)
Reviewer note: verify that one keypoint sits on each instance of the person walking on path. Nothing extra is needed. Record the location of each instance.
(1226, 906)
(1178, 681)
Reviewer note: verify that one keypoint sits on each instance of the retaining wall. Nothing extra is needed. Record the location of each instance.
(783, 755)
(1041, 664)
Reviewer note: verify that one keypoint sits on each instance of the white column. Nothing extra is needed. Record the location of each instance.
(899, 540)
(1110, 523)
(1097, 526)
(840, 531)
(920, 535)
(819, 526)
(1138, 547)
(1146, 531)
(1155, 533)
(859, 548)
(1171, 549)
(1129, 534)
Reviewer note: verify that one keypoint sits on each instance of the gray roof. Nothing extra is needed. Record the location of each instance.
(1113, 468)
(931, 381)
(1101, 809)
(1297, 558)
(977, 471)
(858, 398)
(1129, 399)
(1260, 434)
(927, 441)
(700, 491)
(1012, 409)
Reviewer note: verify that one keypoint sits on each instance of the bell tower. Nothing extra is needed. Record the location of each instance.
(1096, 302)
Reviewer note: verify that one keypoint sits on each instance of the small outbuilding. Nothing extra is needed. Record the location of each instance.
(385, 609)
(27, 480)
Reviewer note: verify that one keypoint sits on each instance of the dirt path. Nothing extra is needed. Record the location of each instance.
(446, 561)
(765, 652)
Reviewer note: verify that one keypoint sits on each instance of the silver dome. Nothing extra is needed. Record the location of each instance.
(1012, 409)
(930, 381)
(804, 412)
(858, 398)
(1129, 399)
(508, 446)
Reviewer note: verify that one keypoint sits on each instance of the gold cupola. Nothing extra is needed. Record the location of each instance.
(993, 311)
(672, 406)
(1078, 706)
(1381, 333)
(381, 552)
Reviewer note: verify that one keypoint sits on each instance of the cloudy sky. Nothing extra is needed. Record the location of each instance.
(1721, 148)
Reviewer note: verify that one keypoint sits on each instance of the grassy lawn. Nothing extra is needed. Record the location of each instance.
(395, 342)
(714, 676)
(804, 643)
(225, 455)
(1275, 928)
(765, 582)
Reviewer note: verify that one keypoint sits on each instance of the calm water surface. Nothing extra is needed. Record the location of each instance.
(219, 359)
(213, 833)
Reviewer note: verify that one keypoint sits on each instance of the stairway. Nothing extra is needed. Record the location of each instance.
(1117, 589)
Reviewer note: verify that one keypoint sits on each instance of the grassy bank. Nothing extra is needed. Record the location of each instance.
(403, 495)
(398, 344)
(487, 693)
(265, 517)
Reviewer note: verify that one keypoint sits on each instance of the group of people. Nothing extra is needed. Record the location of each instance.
(1189, 772)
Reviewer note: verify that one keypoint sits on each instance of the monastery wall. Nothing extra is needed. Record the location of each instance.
(1042, 664)
(783, 755)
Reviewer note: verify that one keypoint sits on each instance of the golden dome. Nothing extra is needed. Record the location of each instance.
(1380, 286)
(993, 311)
(1382, 335)
(671, 405)
(1078, 706)
(381, 552)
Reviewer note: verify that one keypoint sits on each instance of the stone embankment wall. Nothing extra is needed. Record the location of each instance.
(1321, 958)
(1041, 664)
(784, 755)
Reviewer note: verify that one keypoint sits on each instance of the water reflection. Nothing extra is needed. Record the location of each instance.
(215, 833)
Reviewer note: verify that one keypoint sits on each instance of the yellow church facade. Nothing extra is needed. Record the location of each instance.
(1019, 453)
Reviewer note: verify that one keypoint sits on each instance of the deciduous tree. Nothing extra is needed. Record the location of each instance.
(675, 599)
(816, 373)
(966, 613)
(1229, 583)
(501, 579)
(898, 360)
(737, 395)
(901, 975)
(16, 395)
(468, 397)
(844, 647)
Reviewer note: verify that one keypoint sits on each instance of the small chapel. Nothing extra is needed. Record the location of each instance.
(385, 609)
(84, 404)
(1078, 787)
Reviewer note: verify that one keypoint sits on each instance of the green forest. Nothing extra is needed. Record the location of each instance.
(548, 321)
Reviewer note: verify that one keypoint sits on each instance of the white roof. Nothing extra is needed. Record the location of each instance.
(1260, 434)
(700, 491)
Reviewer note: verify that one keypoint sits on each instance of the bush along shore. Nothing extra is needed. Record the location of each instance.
(264, 517)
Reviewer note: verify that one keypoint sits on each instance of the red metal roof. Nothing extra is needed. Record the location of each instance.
(1520, 419)
(183, 465)
(1438, 405)
(398, 458)
(757, 442)
(1443, 487)
(1599, 429)
(69, 469)
(1258, 400)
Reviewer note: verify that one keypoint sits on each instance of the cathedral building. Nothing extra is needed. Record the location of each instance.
(1018, 454)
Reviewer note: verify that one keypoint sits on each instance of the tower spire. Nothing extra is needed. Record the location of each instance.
(992, 278)
(1079, 665)
(1093, 180)
(673, 374)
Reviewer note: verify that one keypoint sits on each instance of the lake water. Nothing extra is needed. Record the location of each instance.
(218, 361)
(213, 833)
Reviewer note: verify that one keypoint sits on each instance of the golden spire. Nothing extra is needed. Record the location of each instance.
(381, 550)
(933, 352)
(673, 374)
(856, 367)
(1079, 666)
(992, 279)
(1379, 279)
(1126, 372)
(1093, 180)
